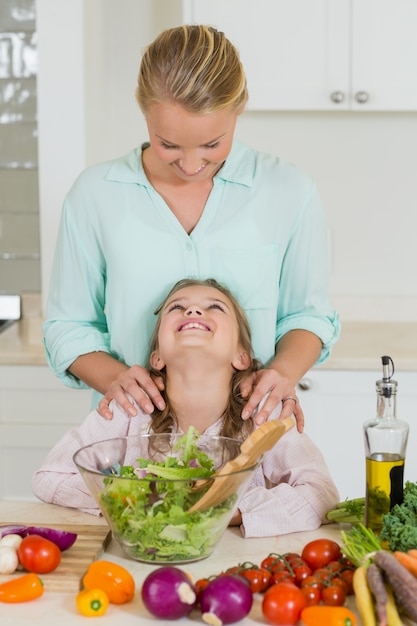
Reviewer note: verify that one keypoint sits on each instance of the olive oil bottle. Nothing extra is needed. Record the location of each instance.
(385, 447)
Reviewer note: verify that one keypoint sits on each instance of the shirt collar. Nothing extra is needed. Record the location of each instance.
(238, 168)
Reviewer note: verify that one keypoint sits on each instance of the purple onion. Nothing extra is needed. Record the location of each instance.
(168, 593)
(62, 538)
(226, 599)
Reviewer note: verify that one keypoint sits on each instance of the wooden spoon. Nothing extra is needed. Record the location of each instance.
(231, 475)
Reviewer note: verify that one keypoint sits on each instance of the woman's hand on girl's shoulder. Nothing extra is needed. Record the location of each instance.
(137, 383)
(268, 381)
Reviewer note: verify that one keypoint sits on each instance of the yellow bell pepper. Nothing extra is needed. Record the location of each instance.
(92, 602)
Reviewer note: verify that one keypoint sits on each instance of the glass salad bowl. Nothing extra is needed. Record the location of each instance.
(145, 486)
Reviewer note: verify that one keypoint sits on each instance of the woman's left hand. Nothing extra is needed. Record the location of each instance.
(264, 381)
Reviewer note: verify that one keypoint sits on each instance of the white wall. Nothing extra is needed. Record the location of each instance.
(365, 164)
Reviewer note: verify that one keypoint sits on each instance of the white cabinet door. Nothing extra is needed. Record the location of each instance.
(355, 55)
(295, 52)
(336, 405)
(35, 411)
(384, 55)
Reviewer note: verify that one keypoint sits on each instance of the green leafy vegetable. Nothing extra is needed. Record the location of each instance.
(359, 544)
(399, 526)
(348, 511)
(148, 508)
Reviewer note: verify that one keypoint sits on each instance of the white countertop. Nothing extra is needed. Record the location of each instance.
(59, 608)
(360, 346)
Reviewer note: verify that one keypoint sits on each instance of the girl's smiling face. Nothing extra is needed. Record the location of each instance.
(199, 318)
(192, 146)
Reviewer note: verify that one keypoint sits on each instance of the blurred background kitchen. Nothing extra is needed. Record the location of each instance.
(333, 88)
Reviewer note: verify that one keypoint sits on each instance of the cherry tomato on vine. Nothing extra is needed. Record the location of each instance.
(347, 576)
(258, 578)
(283, 603)
(200, 585)
(273, 563)
(312, 595)
(319, 552)
(39, 555)
(333, 596)
(283, 576)
(300, 573)
(312, 581)
(337, 581)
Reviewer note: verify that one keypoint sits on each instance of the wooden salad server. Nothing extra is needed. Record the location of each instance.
(230, 476)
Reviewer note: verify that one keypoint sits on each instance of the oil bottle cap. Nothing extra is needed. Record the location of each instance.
(387, 386)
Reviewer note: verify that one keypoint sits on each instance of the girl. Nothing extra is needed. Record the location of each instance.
(202, 348)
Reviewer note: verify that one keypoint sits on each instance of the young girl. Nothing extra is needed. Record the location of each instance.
(202, 348)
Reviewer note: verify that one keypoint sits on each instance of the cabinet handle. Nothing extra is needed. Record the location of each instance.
(337, 96)
(305, 384)
(361, 97)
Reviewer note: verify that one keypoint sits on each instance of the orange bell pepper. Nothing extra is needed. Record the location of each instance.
(112, 578)
(329, 615)
(92, 602)
(21, 589)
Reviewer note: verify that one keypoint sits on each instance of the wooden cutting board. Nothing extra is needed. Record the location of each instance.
(90, 544)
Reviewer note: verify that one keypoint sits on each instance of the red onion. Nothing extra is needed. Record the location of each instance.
(62, 538)
(168, 593)
(226, 599)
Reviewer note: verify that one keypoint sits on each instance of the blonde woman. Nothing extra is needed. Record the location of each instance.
(190, 201)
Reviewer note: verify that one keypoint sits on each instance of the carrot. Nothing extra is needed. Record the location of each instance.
(363, 597)
(408, 561)
(392, 611)
(402, 582)
(412, 553)
(377, 587)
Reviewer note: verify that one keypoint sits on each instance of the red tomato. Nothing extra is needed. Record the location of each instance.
(300, 573)
(273, 563)
(39, 555)
(333, 596)
(258, 578)
(312, 595)
(347, 576)
(312, 581)
(319, 552)
(283, 576)
(283, 603)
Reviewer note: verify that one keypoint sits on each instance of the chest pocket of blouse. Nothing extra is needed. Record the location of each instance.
(251, 274)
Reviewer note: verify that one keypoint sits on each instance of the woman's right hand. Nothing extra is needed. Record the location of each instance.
(139, 384)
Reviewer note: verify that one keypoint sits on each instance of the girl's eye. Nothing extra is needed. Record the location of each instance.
(213, 145)
(175, 306)
(215, 305)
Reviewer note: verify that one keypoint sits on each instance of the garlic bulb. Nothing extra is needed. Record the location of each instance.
(8, 559)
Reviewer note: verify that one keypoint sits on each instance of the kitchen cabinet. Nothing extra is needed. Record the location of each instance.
(349, 55)
(36, 409)
(335, 405)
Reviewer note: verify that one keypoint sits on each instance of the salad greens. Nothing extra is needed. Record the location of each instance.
(147, 507)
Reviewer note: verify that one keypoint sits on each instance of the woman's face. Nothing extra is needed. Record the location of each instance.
(192, 146)
(199, 317)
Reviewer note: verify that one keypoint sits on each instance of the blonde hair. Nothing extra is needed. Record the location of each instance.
(232, 423)
(195, 66)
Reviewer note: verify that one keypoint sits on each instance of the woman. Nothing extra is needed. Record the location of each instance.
(202, 347)
(190, 202)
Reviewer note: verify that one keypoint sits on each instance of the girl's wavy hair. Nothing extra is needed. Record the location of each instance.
(195, 66)
(232, 423)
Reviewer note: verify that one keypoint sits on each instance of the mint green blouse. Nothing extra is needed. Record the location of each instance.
(120, 249)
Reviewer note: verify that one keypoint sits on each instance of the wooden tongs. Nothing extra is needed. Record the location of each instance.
(228, 479)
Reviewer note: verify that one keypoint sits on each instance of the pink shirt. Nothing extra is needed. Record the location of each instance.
(290, 491)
